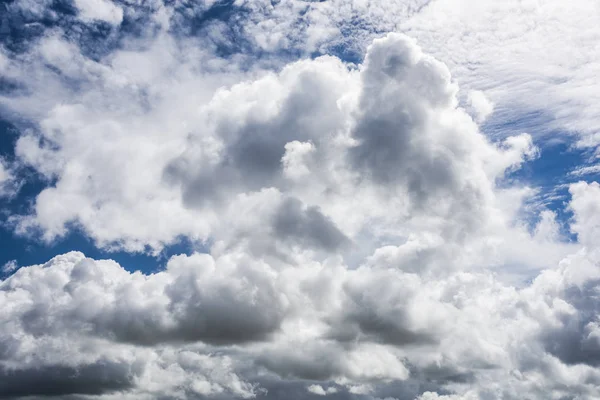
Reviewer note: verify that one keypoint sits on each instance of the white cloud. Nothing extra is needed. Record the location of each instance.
(5, 175)
(528, 50)
(104, 10)
(359, 238)
(435, 396)
(586, 206)
(9, 267)
(50, 308)
(585, 170)
(9, 184)
(535, 61)
(481, 105)
(318, 390)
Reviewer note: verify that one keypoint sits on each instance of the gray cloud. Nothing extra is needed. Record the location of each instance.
(369, 326)
(59, 380)
(319, 364)
(374, 310)
(252, 151)
(577, 339)
(399, 139)
(191, 304)
(292, 223)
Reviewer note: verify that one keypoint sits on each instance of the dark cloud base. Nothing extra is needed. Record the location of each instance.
(59, 380)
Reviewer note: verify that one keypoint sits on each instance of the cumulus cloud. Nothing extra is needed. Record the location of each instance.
(164, 334)
(234, 307)
(435, 396)
(70, 346)
(359, 225)
(318, 389)
(377, 135)
(353, 331)
(585, 206)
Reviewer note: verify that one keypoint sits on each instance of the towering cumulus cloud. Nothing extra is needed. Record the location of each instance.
(362, 238)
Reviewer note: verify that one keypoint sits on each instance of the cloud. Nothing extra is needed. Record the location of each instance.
(318, 390)
(57, 380)
(584, 204)
(585, 170)
(104, 10)
(4, 174)
(435, 396)
(9, 184)
(9, 267)
(481, 106)
(521, 55)
(292, 222)
(193, 300)
(456, 331)
(366, 316)
(81, 344)
(360, 229)
(366, 129)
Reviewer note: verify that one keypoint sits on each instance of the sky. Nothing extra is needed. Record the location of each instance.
(295, 199)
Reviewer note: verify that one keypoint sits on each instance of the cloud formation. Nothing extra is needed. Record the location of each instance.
(363, 237)
(221, 319)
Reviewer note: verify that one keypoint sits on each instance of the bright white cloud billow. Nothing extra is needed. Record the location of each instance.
(480, 105)
(100, 10)
(365, 238)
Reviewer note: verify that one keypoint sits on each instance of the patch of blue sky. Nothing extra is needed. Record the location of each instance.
(346, 47)
(191, 19)
(552, 171)
(29, 251)
(551, 174)
(21, 29)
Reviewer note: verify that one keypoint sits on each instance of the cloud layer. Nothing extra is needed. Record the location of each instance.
(363, 237)
(232, 325)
